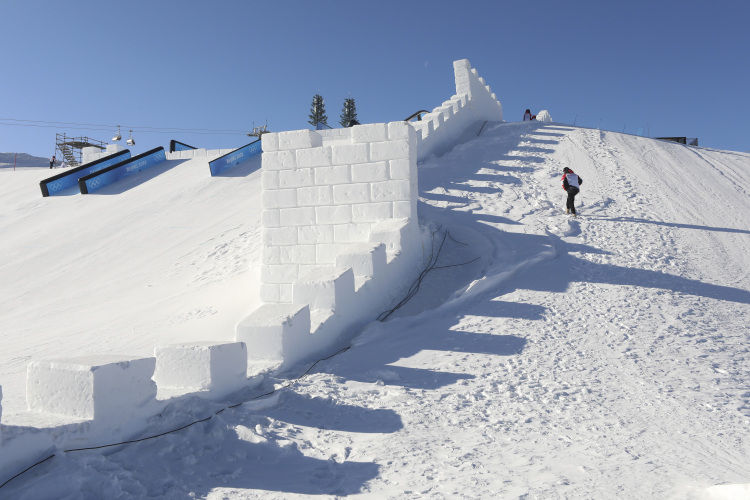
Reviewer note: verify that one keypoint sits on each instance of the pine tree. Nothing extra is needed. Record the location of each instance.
(318, 112)
(349, 113)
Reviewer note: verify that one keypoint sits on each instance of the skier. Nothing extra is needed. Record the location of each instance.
(571, 182)
(527, 115)
(52, 161)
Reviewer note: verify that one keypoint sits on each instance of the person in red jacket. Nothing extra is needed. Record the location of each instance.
(571, 182)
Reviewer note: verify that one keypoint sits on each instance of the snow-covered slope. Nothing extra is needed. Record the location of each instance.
(604, 356)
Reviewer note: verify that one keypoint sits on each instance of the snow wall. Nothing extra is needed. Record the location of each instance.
(341, 244)
(460, 117)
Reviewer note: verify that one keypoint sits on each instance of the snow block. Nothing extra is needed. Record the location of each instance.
(395, 234)
(543, 116)
(275, 332)
(299, 139)
(364, 259)
(324, 290)
(207, 368)
(108, 388)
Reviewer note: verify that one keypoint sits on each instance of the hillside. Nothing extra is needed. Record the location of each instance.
(600, 356)
(7, 160)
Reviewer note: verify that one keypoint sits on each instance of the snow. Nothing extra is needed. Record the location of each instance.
(602, 356)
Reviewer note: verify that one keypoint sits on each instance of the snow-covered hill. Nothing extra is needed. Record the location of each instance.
(604, 356)
(8, 160)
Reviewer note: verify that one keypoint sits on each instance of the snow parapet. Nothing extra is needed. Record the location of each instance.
(473, 104)
(340, 235)
(543, 116)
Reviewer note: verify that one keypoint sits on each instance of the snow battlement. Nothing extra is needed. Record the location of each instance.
(473, 104)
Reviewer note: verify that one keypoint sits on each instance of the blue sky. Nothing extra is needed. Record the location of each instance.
(647, 67)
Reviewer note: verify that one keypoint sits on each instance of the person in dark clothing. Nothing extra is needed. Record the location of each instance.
(52, 161)
(571, 183)
(527, 116)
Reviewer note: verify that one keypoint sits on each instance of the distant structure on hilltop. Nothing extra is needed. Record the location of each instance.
(71, 148)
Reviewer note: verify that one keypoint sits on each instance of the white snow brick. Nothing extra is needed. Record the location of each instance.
(297, 254)
(279, 198)
(314, 196)
(369, 172)
(314, 157)
(351, 233)
(315, 234)
(295, 178)
(271, 217)
(325, 253)
(400, 169)
(299, 139)
(350, 153)
(396, 190)
(269, 142)
(278, 160)
(400, 130)
(107, 388)
(372, 212)
(279, 236)
(207, 368)
(271, 255)
(272, 330)
(403, 210)
(333, 215)
(351, 193)
(338, 174)
(270, 179)
(303, 216)
(369, 133)
(278, 273)
(276, 293)
(365, 259)
(394, 233)
(324, 291)
(390, 150)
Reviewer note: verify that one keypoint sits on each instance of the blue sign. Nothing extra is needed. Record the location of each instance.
(179, 146)
(235, 157)
(105, 177)
(60, 182)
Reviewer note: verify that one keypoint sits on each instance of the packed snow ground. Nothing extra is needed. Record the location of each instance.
(593, 357)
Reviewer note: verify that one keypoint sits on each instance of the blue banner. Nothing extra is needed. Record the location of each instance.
(179, 146)
(60, 182)
(235, 157)
(112, 174)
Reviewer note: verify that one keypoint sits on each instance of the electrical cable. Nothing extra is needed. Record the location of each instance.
(102, 126)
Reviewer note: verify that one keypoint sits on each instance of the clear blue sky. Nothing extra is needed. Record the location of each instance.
(658, 67)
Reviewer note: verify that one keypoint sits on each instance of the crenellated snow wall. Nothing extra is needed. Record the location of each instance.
(461, 116)
(341, 244)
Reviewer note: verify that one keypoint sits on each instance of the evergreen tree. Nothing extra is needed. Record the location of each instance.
(349, 113)
(318, 112)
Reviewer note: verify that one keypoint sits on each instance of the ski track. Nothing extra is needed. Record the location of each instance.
(617, 368)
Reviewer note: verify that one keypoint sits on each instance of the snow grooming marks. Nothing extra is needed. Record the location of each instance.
(464, 113)
(60, 182)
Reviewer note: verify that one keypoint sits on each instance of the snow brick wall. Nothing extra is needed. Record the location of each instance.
(459, 117)
(339, 228)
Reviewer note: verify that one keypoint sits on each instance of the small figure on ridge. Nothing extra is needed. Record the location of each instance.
(571, 183)
(527, 116)
(52, 161)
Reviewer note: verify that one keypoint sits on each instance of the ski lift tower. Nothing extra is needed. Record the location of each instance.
(70, 147)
